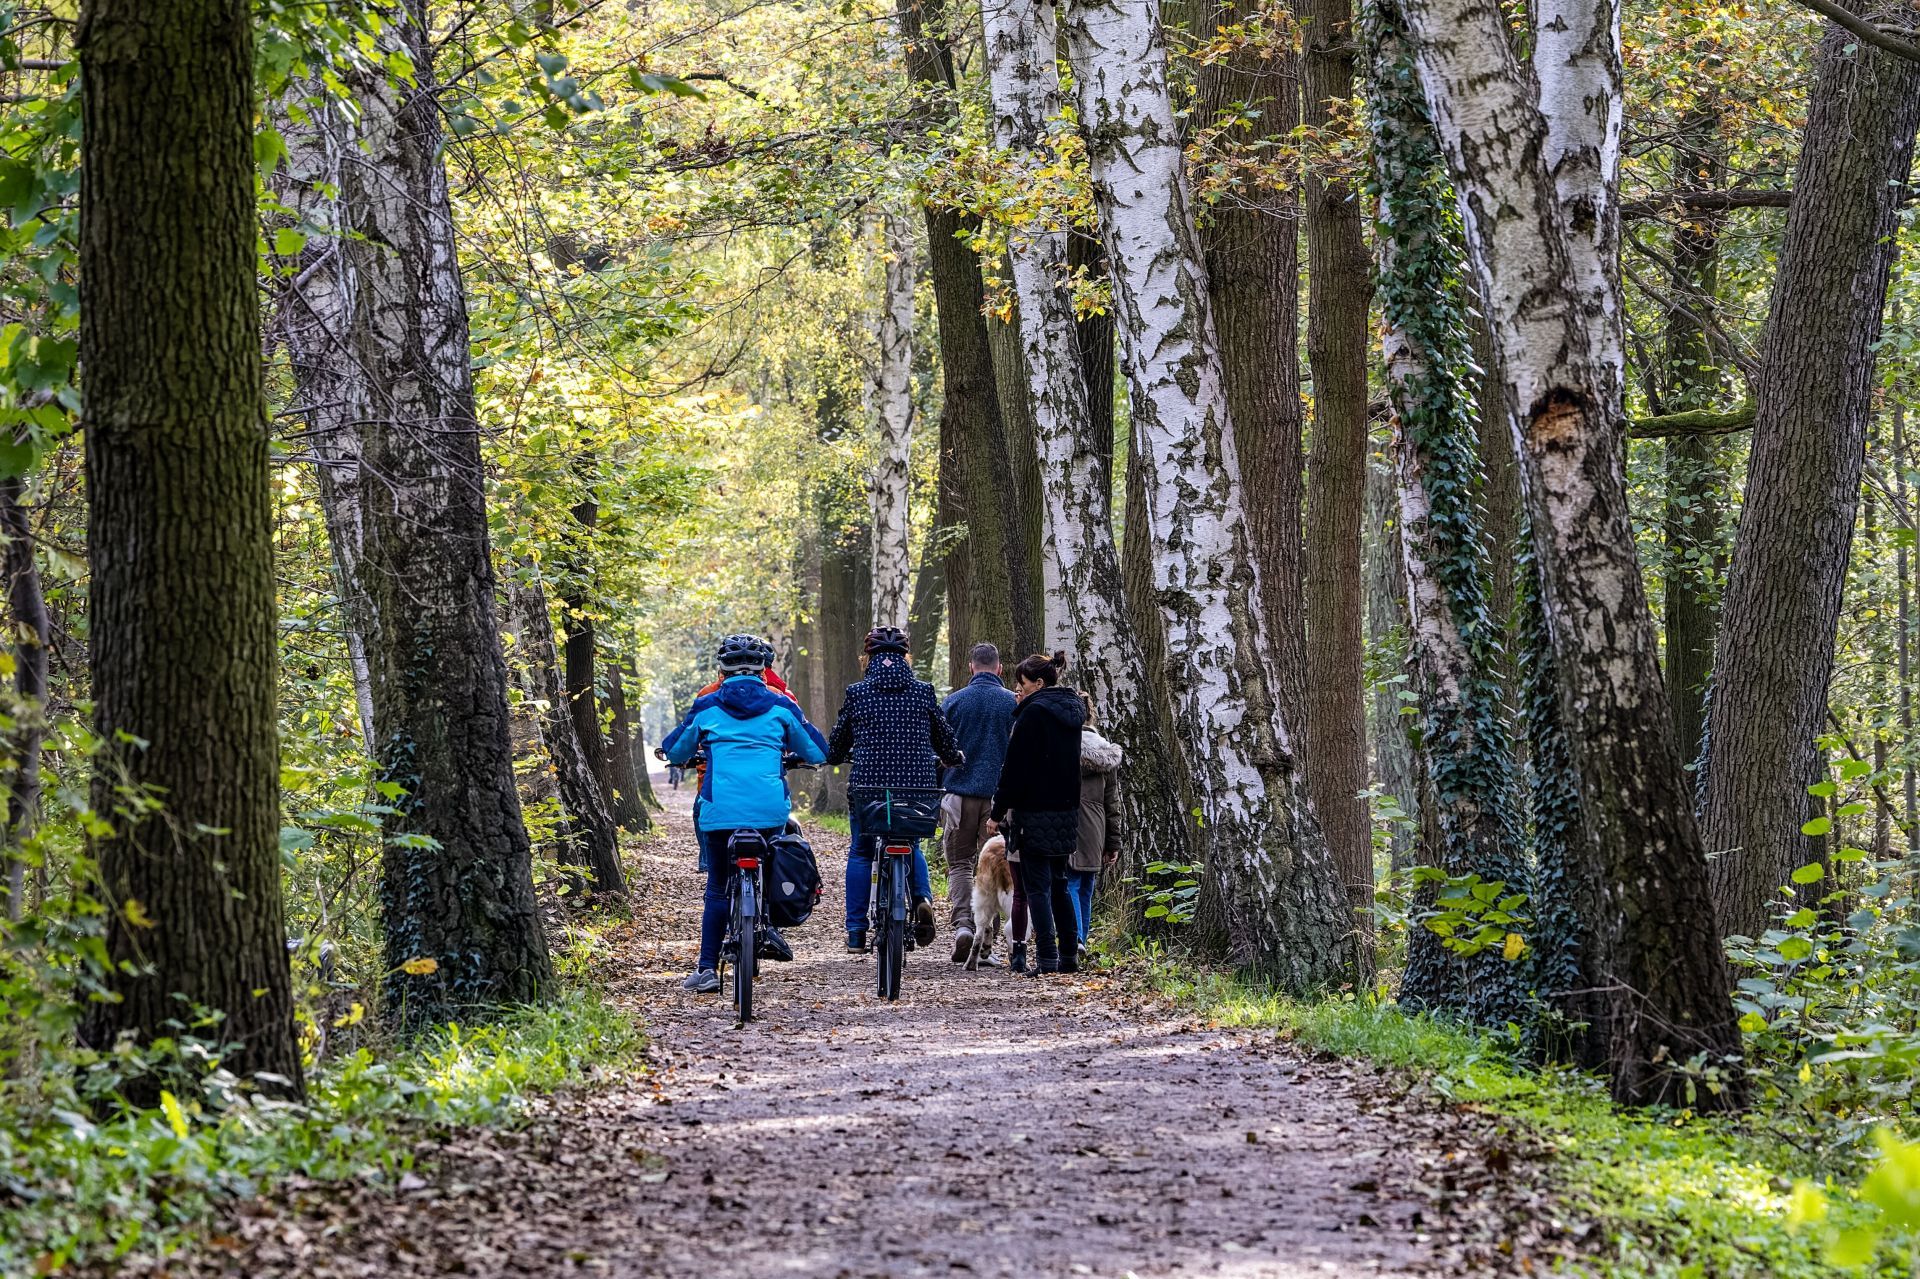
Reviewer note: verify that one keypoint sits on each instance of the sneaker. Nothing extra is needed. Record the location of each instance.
(962, 945)
(702, 981)
(1018, 963)
(856, 941)
(775, 947)
(987, 960)
(923, 925)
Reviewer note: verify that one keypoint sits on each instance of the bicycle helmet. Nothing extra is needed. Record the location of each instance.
(886, 639)
(766, 653)
(739, 654)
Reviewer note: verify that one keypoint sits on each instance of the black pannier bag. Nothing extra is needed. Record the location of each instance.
(793, 880)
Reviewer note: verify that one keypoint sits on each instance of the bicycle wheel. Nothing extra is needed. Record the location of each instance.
(747, 918)
(894, 955)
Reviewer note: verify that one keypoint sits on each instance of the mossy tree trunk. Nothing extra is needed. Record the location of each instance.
(183, 653)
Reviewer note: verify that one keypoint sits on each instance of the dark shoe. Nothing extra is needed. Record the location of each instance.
(773, 946)
(1069, 963)
(702, 981)
(1018, 964)
(962, 946)
(923, 926)
(856, 941)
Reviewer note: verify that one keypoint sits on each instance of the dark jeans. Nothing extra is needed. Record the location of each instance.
(1050, 903)
(860, 877)
(719, 901)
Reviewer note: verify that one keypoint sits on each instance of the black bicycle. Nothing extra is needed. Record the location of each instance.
(747, 922)
(892, 821)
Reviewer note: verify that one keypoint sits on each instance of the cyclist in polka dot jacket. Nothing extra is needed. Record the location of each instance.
(892, 728)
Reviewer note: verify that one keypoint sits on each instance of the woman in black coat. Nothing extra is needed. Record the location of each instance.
(1038, 802)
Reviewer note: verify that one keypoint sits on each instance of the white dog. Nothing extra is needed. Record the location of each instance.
(992, 899)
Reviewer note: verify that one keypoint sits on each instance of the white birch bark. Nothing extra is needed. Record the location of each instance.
(1286, 908)
(314, 320)
(1538, 240)
(1086, 605)
(891, 398)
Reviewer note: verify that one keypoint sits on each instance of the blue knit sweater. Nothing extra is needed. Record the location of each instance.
(982, 718)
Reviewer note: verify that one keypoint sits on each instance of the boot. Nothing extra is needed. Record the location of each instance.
(1069, 960)
(923, 925)
(856, 941)
(1018, 962)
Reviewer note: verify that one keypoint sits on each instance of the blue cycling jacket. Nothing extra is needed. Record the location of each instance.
(748, 730)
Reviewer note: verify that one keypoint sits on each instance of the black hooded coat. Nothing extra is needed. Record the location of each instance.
(1040, 784)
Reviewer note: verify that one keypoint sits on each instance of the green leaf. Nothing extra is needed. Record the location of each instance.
(1794, 949)
(1823, 789)
(1811, 873)
(1818, 826)
(287, 242)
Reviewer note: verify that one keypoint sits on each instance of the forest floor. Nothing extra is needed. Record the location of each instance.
(983, 1125)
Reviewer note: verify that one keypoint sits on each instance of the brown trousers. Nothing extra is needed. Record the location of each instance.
(965, 819)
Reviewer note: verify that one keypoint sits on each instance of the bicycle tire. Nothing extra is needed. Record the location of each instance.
(745, 911)
(896, 952)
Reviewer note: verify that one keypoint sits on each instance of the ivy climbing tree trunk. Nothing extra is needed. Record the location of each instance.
(457, 885)
(1533, 156)
(990, 595)
(892, 399)
(182, 648)
(1086, 596)
(1286, 910)
(1814, 399)
(593, 839)
(1454, 642)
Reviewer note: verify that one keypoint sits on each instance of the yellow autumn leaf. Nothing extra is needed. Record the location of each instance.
(420, 967)
(176, 1117)
(1515, 946)
(351, 1017)
(135, 913)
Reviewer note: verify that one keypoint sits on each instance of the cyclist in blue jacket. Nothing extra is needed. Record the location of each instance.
(747, 731)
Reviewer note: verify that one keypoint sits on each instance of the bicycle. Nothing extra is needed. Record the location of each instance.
(893, 819)
(747, 922)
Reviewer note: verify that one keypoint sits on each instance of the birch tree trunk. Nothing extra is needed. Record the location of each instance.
(1287, 911)
(1086, 598)
(1455, 643)
(182, 648)
(315, 319)
(892, 399)
(593, 838)
(458, 881)
(1814, 400)
(1393, 765)
(1534, 187)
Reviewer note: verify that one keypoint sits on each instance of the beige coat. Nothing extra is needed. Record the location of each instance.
(1099, 801)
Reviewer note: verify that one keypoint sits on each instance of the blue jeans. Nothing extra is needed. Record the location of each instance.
(860, 878)
(1080, 885)
(718, 903)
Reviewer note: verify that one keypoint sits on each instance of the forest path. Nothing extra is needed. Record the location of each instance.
(984, 1125)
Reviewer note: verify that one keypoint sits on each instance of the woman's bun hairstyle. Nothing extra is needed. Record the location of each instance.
(1038, 668)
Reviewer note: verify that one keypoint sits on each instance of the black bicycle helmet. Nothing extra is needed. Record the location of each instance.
(886, 639)
(738, 654)
(766, 653)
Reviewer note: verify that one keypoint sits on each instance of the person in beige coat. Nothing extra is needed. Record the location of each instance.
(1099, 843)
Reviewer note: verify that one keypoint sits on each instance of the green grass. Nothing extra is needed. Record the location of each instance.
(73, 1189)
(1673, 1195)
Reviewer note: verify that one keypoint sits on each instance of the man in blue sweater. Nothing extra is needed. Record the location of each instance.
(982, 719)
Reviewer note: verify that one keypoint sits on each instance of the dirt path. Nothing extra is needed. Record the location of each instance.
(984, 1125)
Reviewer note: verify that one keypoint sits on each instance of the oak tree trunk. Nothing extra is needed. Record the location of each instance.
(27, 610)
(1813, 398)
(182, 646)
(632, 789)
(1337, 347)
